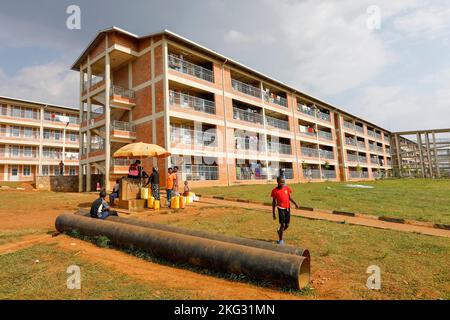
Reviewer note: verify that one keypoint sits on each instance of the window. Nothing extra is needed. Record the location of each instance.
(3, 109)
(56, 171)
(29, 113)
(73, 137)
(72, 171)
(45, 170)
(28, 132)
(16, 112)
(57, 135)
(15, 131)
(26, 171)
(15, 151)
(46, 134)
(27, 151)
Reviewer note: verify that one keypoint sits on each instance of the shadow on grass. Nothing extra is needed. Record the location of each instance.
(104, 242)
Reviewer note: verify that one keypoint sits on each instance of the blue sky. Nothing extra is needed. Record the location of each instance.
(397, 76)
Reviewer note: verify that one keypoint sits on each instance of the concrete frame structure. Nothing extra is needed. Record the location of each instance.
(421, 153)
(223, 122)
(32, 142)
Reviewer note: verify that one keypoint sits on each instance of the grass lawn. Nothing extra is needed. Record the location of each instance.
(21, 277)
(415, 199)
(413, 266)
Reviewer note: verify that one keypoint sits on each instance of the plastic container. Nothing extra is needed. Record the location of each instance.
(150, 202)
(175, 203)
(144, 193)
(156, 205)
(182, 202)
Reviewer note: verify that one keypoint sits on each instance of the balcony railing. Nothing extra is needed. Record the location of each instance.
(19, 113)
(249, 144)
(277, 100)
(378, 135)
(188, 101)
(122, 126)
(313, 112)
(372, 147)
(362, 159)
(245, 172)
(311, 173)
(120, 91)
(350, 142)
(92, 82)
(246, 88)
(310, 152)
(193, 137)
(374, 161)
(352, 157)
(359, 129)
(371, 133)
(21, 135)
(281, 148)
(349, 125)
(277, 123)
(121, 162)
(361, 145)
(199, 172)
(189, 68)
(328, 174)
(34, 154)
(358, 175)
(275, 172)
(308, 132)
(244, 115)
(326, 154)
(325, 135)
(98, 111)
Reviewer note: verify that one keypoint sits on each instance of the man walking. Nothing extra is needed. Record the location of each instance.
(281, 199)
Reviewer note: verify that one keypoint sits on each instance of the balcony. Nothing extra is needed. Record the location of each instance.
(190, 137)
(249, 144)
(20, 154)
(199, 172)
(362, 159)
(349, 125)
(93, 83)
(97, 112)
(247, 116)
(352, 157)
(313, 112)
(191, 69)
(358, 175)
(277, 123)
(371, 133)
(311, 173)
(310, 152)
(122, 97)
(361, 145)
(117, 125)
(378, 135)
(275, 99)
(374, 161)
(372, 147)
(359, 129)
(21, 135)
(246, 88)
(350, 142)
(19, 113)
(273, 173)
(325, 135)
(280, 148)
(326, 154)
(328, 174)
(191, 102)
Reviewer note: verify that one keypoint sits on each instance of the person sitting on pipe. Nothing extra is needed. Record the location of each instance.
(100, 208)
(281, 199)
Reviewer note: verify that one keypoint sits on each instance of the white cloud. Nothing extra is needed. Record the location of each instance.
(430, 22)
(52, 83)
(239, 38)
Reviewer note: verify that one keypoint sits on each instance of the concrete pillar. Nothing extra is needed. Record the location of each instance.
(430, 162)
(399, 156)
(88, 135)
(436, 157)
(422, 166)
(80, 133)
(107, 121)
(41, 140)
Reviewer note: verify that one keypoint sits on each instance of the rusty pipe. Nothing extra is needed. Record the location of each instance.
(213, 236)
(257, 264)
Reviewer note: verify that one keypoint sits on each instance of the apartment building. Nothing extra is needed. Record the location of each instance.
(32, 139)
(223, 122)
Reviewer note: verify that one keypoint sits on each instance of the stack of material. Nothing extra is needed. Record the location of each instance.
(257, 260)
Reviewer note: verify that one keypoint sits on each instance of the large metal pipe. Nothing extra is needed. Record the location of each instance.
(258, 264)
(213, 236)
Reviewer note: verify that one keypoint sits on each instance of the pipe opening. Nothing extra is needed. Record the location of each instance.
(304, 274)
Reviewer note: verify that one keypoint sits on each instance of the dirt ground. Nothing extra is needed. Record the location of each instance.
(40, 215)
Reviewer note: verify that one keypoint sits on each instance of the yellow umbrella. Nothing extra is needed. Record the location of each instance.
(141, 150)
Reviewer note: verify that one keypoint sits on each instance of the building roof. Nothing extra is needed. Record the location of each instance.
(38, 103)
(224, 59)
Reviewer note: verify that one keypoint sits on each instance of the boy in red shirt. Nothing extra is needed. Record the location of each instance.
(281, 199)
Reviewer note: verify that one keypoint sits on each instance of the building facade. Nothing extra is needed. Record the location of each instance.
(32, 141)
(223, 122)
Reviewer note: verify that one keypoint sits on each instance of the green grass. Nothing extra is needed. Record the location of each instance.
(415, 199)
(7, 236)
(21, 277)
(413, 266)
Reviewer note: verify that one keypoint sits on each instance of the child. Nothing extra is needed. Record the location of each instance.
(186, 189)
(281, 199)
(115, 193)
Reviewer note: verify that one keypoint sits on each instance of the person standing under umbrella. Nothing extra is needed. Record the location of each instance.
(154, 183)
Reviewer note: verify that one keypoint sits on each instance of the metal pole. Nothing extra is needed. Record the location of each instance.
(422, 166)
(436, 158)
(399, 157)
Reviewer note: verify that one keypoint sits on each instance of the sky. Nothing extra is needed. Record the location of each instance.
(385, 61)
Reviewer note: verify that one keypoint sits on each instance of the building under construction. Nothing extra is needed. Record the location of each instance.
(423, 153)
